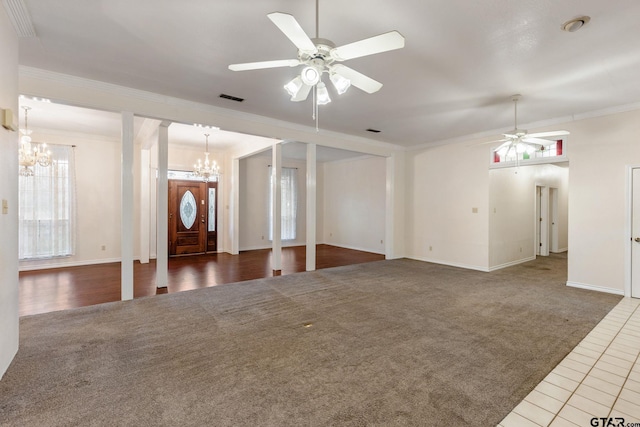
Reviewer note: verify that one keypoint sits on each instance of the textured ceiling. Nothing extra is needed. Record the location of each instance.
(461, 63)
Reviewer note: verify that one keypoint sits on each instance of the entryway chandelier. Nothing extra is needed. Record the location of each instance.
(29, 154)
(207, 170)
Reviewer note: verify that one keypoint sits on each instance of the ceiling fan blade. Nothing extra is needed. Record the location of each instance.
(377, 44)
(290, 27)
(548, 134)
(264, 64)
(511, 135)
(302, 94)
(357, 79)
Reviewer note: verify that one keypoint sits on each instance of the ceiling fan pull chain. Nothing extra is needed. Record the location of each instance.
(316, 110)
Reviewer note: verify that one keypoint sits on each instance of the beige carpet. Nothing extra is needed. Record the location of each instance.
(382, 344)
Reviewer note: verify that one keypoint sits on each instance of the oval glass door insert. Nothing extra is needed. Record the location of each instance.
(188, 210)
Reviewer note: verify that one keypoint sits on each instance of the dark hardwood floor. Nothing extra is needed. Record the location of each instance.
(42, 291)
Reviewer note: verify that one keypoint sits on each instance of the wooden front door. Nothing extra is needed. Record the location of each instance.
(187, 217)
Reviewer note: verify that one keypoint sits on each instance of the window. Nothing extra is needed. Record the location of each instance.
(46, 208)
(289, 181)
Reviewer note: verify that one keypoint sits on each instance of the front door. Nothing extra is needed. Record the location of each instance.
(187, 217)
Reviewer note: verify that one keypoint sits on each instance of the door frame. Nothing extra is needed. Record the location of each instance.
(554, 233)
(207, 185)
(541, 220)
(629, 230)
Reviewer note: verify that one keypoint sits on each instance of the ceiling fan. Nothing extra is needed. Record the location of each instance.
(520, 141)
(321, 56)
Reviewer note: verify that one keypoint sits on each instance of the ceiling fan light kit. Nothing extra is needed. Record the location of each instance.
(320, 56)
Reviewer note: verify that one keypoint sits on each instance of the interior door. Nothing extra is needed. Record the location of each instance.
(187, 217)
(635, 234)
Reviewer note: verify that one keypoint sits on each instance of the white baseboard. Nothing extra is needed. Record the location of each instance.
(559, 251)
(354, 248)
(596, 288)
(38, 266)
(512, 263)
(260, 247)
(451, 264)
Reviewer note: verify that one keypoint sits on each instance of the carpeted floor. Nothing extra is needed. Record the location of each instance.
(380, 344)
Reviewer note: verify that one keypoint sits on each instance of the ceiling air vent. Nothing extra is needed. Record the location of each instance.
(20, 18)
(373, 130)
(233, 98)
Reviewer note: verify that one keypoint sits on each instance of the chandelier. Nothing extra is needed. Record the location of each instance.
(207, 170)
(29, 154)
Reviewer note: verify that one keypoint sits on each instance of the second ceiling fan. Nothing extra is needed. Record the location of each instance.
(519, 140)
(320, 56)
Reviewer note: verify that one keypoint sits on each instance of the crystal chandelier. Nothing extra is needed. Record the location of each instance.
(29, 154)
(207, 170)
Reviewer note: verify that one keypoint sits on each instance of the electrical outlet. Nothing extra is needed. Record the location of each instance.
(474, 210)
(103, 248)
(430, 248)
(5, 207)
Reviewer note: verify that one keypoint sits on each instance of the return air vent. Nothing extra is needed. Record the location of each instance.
(233, 98)
(373, 130)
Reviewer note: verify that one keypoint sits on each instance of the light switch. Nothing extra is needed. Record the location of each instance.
(5, 207)
(8, 120)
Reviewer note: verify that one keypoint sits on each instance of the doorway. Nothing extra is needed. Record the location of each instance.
(546, 220)
(192, 217)
(635, 233)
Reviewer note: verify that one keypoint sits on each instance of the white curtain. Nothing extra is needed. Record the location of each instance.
(289, 181)
(47, 207)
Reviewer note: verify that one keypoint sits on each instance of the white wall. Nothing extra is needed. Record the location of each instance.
(8, 192)
(445, 182)
(600, 149)
(254, 202)
(512, 211)
(354, 193)
(98, 199)
(447, 193)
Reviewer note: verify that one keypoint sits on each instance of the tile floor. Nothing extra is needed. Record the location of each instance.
(600, 378)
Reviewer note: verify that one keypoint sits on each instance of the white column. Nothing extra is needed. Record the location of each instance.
(145, 210)
(276, 194)
(394, 210)
(126, 231)
(235, 207)
(311, 207)
(162, 201)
